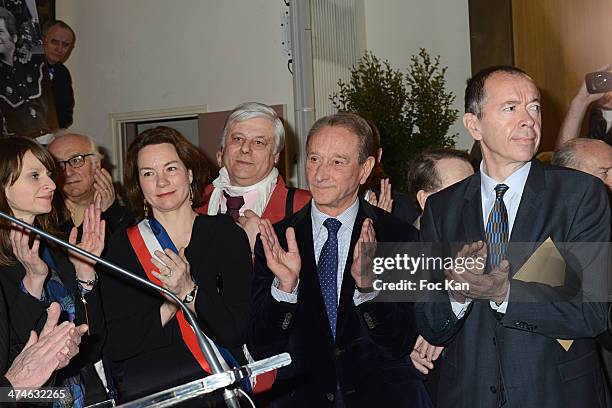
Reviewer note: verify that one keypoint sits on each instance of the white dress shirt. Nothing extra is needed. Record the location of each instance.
(512, 198)
(319, 236)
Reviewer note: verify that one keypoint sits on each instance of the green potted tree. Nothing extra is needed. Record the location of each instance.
(412, 112)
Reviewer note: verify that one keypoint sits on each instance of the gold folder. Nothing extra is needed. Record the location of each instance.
(547, 266)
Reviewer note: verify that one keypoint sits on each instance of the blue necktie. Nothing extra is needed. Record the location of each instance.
(327, 268)
(497, 228)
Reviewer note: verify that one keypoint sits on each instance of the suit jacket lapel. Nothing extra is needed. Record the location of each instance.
(527, 220)
(348, 283)
(309, 278)
(527, 215)
(472, 216)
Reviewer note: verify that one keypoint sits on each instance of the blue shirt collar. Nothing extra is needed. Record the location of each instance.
(347, 218)
(515, 182)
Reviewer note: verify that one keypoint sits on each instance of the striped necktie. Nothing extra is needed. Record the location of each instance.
(497, 228)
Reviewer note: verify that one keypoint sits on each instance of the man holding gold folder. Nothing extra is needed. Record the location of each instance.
(521, 336)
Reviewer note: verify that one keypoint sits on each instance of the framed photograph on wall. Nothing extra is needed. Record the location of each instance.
(26, 98)
(46, 11)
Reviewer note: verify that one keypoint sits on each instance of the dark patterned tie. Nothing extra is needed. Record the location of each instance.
(497, 242)
(234, 204)
(327, 268)
(497, 228)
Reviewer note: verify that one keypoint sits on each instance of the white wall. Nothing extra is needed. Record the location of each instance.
(396, 29)
(154, 54)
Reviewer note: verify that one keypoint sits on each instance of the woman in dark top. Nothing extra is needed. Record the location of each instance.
(33, 273)
(204, 260)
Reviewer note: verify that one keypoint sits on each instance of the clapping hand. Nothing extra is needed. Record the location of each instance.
(492, 286)
(36, 270)
(92, 241)
(363, 255)
(43, 354)
(174, 271)
(104, 194)
(384, 200)
(285, 265)
(35, 267)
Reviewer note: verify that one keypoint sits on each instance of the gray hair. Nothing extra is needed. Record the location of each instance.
(565, 156)
(93, 146)
(353, 123)
(252, 110)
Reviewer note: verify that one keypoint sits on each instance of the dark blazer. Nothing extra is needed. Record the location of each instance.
(369, 361)
(4, 349)
(4, 334)
(404, 207)
(27, 313)
(151, 357)
(521, 345)
(63, 95)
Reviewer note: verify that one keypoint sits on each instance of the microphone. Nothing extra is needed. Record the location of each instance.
(205, 345)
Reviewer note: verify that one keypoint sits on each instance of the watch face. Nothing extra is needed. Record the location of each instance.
(191, 296)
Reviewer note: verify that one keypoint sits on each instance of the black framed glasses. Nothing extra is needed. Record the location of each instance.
(75, 161)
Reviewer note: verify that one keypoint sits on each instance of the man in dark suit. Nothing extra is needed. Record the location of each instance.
(502, 333)
(58, 42)
(311, 299)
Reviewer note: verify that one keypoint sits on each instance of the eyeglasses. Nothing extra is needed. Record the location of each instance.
(75, 161)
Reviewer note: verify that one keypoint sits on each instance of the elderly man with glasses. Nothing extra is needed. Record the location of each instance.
(84, 182)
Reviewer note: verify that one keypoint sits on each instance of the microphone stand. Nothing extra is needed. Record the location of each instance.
(205, 345)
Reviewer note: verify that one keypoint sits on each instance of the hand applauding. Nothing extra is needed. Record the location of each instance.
(36, 269)
(285, 265)
(384, 200)
(363, 255)
(91, 241)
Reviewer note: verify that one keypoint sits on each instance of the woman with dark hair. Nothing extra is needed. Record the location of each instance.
(34, 273)
(204, 260)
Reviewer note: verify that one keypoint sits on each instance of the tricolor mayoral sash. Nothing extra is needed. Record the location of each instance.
(149, 236)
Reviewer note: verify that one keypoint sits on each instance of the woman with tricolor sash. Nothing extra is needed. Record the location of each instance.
(204, 260)
(34, 273)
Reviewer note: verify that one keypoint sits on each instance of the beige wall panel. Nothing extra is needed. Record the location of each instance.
(557, 42)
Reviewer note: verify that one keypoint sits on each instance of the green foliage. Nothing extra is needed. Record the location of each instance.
(429, 103)
(412, 112)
